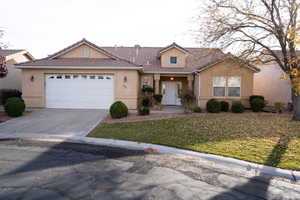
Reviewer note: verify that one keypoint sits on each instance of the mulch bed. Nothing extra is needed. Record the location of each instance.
(4, 117)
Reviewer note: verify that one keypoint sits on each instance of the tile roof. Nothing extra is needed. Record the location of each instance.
(7, 52)
(149, 59)
(93, 62)
(83, 41)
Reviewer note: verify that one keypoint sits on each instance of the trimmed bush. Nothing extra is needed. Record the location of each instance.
(237, 107)
(224, 106)
(118, 110)
(144, 111)
(197, 109)
(147, 88)
(256, 97)
(14, 107)
(279, 107)
(213, 106)
(188, 100)
(9, 93)
(146, 102)
(257, 104)
(158, 98)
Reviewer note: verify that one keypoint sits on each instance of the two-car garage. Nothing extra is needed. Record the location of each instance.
(79, 91)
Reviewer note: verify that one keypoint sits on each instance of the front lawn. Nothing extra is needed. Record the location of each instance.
(264, 138)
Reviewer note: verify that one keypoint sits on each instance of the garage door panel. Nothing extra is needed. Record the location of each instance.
(79, 91)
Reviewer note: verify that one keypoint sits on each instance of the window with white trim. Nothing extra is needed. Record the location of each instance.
(226, 86)
(219, 86)
(85, 52)
(234, 86)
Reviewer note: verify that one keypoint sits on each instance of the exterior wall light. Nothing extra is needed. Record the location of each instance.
(32, 78)
(125, 79)
(172, 79)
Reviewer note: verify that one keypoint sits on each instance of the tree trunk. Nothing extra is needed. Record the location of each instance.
(296, 107)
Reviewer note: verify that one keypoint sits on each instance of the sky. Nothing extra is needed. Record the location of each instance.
(45, 26)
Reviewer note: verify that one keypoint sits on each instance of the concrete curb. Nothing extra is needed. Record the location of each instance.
(233, 164)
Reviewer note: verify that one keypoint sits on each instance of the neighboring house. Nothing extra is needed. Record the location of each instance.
(13, 78)
(84, 75)
(270, 83)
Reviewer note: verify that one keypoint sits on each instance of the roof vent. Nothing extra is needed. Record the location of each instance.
(137, 47)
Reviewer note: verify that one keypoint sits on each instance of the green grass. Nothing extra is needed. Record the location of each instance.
(268, 139)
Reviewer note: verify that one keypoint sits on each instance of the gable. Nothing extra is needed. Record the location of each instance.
(227, 68)
(78, 52)
(173, 52)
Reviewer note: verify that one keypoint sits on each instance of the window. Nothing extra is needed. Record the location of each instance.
(85, 52)
(173, 60)
(67, 77)
(227, 86)
(219, 86)
(234, 86)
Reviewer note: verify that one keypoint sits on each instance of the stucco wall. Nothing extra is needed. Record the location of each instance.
(34, 92)
(228, 68)
(147, 79)
(13, 78)
(78, 53)
(181, 58)
(269, 84)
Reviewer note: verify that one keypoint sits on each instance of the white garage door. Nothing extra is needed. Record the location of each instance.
(79, 91)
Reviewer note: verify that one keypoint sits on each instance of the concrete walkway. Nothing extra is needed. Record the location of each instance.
(69, 122)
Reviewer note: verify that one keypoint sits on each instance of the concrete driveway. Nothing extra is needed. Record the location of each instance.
(43, 170)
(66, 122)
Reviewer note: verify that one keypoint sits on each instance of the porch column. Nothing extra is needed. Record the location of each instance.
(156, 80)
(190, 79)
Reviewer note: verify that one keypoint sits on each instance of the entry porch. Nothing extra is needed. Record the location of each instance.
(170, 86)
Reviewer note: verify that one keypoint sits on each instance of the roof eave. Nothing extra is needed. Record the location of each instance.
(74, 67)
(165, 72)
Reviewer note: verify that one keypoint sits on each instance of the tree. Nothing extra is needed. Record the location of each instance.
(254, 29)
(3, 68)
(2, 45)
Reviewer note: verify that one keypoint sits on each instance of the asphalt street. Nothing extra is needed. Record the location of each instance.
(50, 170)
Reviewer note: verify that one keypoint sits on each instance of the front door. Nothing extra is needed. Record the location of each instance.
(170, 93)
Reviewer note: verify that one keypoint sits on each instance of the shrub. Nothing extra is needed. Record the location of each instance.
(256, 97)
(188, 100)
(158, 98)
(14, 107)
(213, 106)
(197, 109)
(144, 111)
(146, 102)
(237, 107)
(257, 104)
(118, 110)
(147, 88)
(9, 93)
(279, 107)
(224, 106)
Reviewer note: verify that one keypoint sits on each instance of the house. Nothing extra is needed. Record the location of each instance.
(12, 80)
(273, 83)
(85, 75)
